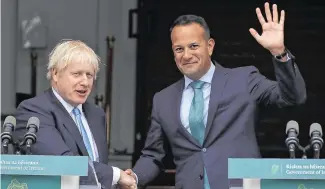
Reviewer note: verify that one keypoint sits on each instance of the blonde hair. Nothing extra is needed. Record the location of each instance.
(68, 51)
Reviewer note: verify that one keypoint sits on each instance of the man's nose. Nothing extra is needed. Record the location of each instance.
(84, 80)
(187, 54)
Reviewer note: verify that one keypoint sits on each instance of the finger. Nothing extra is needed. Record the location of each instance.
(131, 180)
(282, 17)
(268, 12)
(275, 13)
(260, 16)
(128, 171)
(255, 34)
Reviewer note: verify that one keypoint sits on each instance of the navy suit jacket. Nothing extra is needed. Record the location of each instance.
(59, 135)
(235, 95)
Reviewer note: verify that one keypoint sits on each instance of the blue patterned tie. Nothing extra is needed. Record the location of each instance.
(85, 137)
(196, 120)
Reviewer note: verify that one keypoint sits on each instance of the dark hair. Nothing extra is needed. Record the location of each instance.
(190, 19)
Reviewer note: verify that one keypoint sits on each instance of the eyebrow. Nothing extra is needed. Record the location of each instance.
(193, 43)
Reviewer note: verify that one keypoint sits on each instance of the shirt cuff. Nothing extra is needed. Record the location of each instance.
(136, 177)
(288, 58)
(116, 175)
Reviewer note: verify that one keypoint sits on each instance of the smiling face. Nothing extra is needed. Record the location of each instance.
(192, 50)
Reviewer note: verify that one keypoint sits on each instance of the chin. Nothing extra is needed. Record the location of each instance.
(190, 73)
(79, 101)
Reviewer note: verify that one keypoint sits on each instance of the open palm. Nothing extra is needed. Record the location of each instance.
(272, 37)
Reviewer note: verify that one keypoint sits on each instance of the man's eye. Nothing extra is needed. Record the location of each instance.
(178, 49)
(90, 75)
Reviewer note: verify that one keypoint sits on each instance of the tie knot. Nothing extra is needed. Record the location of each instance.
(197, 84)
(76, 111)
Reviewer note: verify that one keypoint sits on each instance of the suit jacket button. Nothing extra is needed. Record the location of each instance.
(204, 150)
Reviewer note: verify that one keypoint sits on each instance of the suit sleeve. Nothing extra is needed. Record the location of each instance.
(150, 164)
(288, 89)
(50, 142)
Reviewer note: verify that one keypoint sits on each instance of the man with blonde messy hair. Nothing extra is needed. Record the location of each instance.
(69, 125)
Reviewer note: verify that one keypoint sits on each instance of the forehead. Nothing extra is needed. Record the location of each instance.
(187, 33)
(80, 67)
(78, 60)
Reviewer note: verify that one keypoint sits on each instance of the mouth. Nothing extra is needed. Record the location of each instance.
(81, 92)
(189, 63)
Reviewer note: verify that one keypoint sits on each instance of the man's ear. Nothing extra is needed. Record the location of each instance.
(55, 74)
(211, 44)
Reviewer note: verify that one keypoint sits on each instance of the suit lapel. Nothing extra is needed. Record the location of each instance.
(94, 128)
(176, 112)
(69, 124)
(217, 87)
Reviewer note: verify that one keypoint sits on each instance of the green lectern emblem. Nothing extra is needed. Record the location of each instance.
(275, 169)
(16, 185)
(301, 186)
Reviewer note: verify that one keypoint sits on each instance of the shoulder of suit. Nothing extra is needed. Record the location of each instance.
(171, 89)
(243, 70)
(39, 102)
(94, 107)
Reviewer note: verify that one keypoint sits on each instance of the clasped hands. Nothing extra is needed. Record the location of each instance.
(127, 180)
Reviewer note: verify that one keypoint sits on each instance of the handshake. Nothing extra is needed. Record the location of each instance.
(128, 180)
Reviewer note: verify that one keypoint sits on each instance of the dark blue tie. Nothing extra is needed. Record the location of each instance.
(77, 114)
(196, 119)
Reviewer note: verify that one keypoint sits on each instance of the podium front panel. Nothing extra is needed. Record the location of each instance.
(278, 173)
(40, 171)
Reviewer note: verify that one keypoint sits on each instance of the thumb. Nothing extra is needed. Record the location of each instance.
(255, 34)
(128, 171)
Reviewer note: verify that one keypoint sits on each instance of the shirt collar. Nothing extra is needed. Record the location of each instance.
(207, 77)
(65, 104)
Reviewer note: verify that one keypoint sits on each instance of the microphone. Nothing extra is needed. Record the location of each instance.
(316, 141)
(30, 136)
(9, 126)
(292, 130)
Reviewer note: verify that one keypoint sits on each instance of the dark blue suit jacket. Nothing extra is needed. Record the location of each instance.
(235, 95)
(59, 135)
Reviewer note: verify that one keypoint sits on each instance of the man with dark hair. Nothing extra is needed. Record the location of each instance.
(209, 115)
